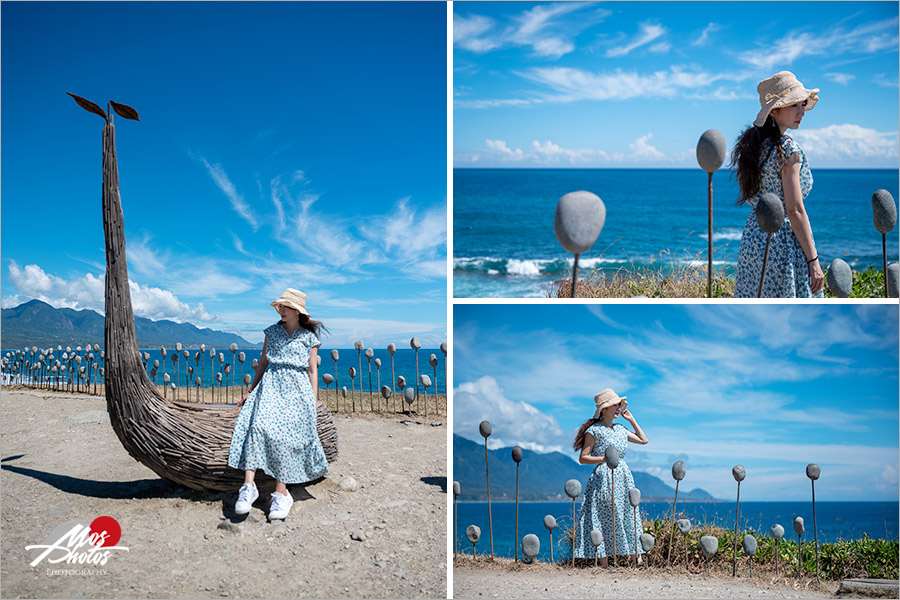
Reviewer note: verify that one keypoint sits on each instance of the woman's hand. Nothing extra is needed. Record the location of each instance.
(244, 399)
(626, 414)
(816, 277)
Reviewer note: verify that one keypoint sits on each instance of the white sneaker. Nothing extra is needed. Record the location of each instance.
(247, 495)
(281, 505)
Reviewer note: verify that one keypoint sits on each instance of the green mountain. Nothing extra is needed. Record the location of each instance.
(541, 476)
(36, 323)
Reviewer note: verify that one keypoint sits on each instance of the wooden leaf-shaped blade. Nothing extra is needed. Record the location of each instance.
(123, 110)
(88, 105)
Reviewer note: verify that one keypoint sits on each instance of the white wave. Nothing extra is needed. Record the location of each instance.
(595, 262)
(727, 235)
(529, 268)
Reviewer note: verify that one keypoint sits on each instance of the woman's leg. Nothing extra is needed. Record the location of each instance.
(281, 488)
(249, 475)
(604, 562)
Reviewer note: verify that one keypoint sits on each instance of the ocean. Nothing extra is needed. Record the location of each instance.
(835, 520)
(504, 244)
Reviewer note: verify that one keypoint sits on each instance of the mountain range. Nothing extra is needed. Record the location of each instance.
(36, 323)
(542, 477)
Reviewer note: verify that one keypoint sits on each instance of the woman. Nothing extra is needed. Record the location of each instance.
(766, 160)
(276, 429)
(600, 510)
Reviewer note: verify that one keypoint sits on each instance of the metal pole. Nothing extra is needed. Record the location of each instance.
(455, 535)
(710, 240)
(762, 276)
(575, 275)
(490, 518)
(737, 513)
(884, 261)
(573, 533)
(815, 527)
(516, 545)
(674, 504)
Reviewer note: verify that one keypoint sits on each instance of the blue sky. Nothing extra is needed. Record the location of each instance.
(280, 145)
(635, 84)
(772, 387)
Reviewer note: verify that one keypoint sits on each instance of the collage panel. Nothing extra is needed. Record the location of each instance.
(224, 300)
(676, 150)
(677, 451)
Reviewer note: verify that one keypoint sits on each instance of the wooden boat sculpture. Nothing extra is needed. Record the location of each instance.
(187, 443)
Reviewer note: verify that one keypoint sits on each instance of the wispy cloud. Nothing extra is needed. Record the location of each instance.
(648, 33)
(703, 39)
(237, 200)
(840, 78)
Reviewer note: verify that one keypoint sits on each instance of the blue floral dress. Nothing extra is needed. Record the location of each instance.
(597, 511)
(276, 428)
(787, 275)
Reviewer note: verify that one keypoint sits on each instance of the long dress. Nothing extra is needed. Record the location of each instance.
(276, 428)
(597, 512)
(787, 275)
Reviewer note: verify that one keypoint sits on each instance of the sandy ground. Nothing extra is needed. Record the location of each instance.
(61, 462)
(504, 579)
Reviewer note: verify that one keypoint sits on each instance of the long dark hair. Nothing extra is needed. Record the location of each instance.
(306, 323)
(746, 160)
(579, 437)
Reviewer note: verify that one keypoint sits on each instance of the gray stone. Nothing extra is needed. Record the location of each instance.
(456, 491)
(473, 533)
(435, 423)
(550, 522)
(409, 394)
(813, 471)
(884, 211)
(517, 454)
(839, 278)
(444, 347)
(709, 544)
(369, 353)
(229, 527)
(414, 343)
(391, 348)
(799, 528)
(531, 546)
(359, 535)
(678, 470)
(684, 525)
(484, 428)
(326, 377)
(749, 545)
(777, 531)
(358, 345)
(770, 213)
(432, 360)
(335, 355)
(647, 542)
(425, 380)
(596, 537)
(348, 484)
(711, 149)
(634, 496)
(344, 391)
(738, 472)
(386, 391)
(573, 488)
(579, 220)
(612, 457)
(893, 278)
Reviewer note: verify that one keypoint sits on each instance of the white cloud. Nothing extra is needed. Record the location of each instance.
(840, 78)
(378, 332)
(848, 145)
(660, 48)
(641, 150)
(469, 33)
(89, 291)
(513, 422)
(577, 84)
(237, 200)
(885, 80)
(707, 31)
(648, 33)
(500, 147)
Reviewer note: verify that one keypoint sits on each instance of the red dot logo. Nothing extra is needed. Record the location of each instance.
(110, 526)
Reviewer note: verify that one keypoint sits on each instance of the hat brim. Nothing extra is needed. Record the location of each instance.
(811, 97)
(623, 403)
(289, 304)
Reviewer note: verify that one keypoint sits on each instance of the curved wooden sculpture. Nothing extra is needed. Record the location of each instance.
(187, 443)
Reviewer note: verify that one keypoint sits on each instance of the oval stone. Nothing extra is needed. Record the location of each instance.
(484, 428)
(409, 394)
(579, 219)
(684, 525)
(334, 355)
(377, 362)
(473, 533)
(709, 544)
(344, 391)
(369, 353)
(770, 213)
(893, 277)
(358, 345)
(425, 380)
(386, 392)
(647, 542)
(612, 457)
(517, 454)
(634, 496)
(456, 488)
(678, 470)
(749, 544)
(444, 347)
(573, 488)
(711, 149)
(777, 531)
(391, 348)
(531, 546)
(550, 522)
(596, 537)
(839, 278)
(799, 528)
(414, 343)
(327, 378)
(738, 473)
(884, 211)
(813, 471)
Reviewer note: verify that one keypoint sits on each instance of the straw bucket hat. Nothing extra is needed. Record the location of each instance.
(782, 89)
(293, 299)
(608, 398)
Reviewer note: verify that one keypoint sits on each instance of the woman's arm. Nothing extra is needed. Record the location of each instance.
(585, 458)
(638, 437)
(793, 203)
(314, 371)
(260, 369)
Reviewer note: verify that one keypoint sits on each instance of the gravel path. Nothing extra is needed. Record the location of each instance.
(505, 579)
(61, 462)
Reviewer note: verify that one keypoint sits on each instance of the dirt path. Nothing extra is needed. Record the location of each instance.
(504, 579)
(62, 462)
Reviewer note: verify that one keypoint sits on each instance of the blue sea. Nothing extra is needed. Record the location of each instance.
(835, 520)
(504, 244)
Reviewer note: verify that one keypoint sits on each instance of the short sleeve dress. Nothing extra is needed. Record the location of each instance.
(276, 428)
(787, 275)
(600, 510)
